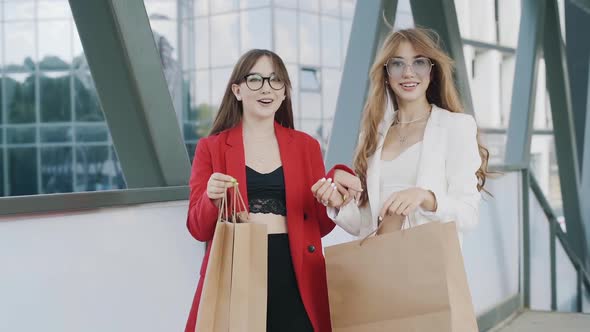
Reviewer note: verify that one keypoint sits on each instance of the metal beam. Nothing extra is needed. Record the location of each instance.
(368, 30)
(518, 144)
(441, 16)
(578, 53)
(585, 169)
(563, 127)
(126, 67)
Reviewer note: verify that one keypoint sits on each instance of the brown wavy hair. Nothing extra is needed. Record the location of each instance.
(231, 110)
(441, 92)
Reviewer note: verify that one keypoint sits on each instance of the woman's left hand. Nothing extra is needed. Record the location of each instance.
(326, 193)
(404, 202)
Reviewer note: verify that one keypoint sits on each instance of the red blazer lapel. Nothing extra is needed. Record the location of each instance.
(235, 161)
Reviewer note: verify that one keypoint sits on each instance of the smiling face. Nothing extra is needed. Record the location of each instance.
(261, 92)
(408, 73)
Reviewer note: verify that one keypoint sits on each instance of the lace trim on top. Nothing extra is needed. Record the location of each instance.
(267, 205)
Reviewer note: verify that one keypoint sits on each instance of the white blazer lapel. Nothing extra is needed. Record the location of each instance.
(433, 150)
(374, 166)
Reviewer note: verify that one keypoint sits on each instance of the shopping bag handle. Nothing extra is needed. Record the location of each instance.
(237, 199)
(381, 225)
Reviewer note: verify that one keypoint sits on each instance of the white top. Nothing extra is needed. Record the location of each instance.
(400, 173)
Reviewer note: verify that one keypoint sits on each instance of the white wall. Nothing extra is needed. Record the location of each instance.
(119, 269)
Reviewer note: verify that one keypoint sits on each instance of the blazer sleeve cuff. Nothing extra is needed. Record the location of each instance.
(340, 167)
(441, 206)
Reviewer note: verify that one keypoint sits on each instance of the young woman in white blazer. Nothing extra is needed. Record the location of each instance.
(418, 157)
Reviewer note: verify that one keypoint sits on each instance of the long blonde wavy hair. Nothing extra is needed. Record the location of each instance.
(441, 92)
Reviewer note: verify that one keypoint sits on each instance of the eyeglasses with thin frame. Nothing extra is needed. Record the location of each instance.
(255, 82)
(396, 67)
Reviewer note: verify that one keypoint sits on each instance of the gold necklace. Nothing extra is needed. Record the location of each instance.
(404, 138)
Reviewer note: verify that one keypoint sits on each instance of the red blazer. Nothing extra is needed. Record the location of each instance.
(307, 220)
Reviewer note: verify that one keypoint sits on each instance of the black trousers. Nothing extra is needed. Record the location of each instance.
(285, 310)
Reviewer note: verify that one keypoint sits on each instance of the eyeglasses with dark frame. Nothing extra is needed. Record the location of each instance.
(255, 81)
(396, 67)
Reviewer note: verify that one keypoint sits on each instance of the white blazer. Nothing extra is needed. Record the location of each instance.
(448, 161)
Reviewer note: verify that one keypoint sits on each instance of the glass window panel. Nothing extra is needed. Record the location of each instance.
(508, 22)
(56, 134)
(21, 135)
(20, 97)
(539, 260)
(312, 5)
(201, 92)
(286, 3)
(256, 29)
(55, 97)
(195, 130)
(79, 59)
(285, 34)
(225, 50)
(22, 171)
(485, 87)
(165, 35)
(53, 9)
(293, 71)
(86, 103)
(311, 106)
(2, 193)
(545, 168)
(330, 87)
(313, 128)
(219, 80)
(94, 168)
(201, 7)
(309, 34)
(496, 144)
(462, 8)
(2, 79)
(56, 170)
(310, 79)
(331, 7)
(331, 42)
(542, 115)
(346, 27)
(403, 20)
(219, 6)
(19, 10)
(567, 279)
(160, 8)
(196, 43)
(507, 81)
(19, 45)
(348, 8)
(92, 133)
(55, 44)
(326, 131)
(190, 149)
(254, 3)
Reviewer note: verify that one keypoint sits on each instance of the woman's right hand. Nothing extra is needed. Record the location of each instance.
(348, 185)
(217, 185)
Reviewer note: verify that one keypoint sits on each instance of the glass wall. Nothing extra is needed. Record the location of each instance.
(53, 135)
(207, 38)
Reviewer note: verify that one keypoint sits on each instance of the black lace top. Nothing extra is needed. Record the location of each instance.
(266, 192)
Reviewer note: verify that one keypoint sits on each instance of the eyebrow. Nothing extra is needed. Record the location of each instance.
(273, 73)
(415, 57)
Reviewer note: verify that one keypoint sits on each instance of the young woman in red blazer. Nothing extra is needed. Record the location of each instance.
(253, 142)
